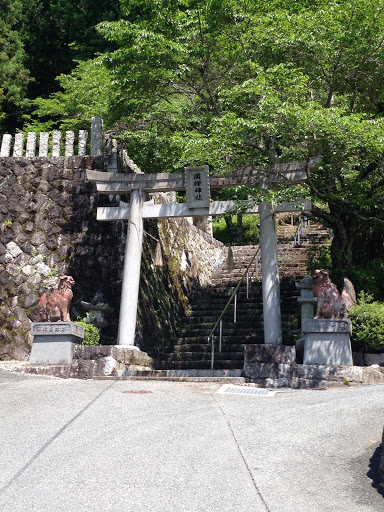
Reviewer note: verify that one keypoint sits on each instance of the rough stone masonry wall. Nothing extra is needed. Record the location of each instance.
(48, 227)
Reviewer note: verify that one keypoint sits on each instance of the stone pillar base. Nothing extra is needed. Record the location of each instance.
(275, 367)
(54, 342)
(327, 342)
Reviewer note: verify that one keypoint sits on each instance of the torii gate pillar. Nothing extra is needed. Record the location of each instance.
(131, 272)
(270, 276)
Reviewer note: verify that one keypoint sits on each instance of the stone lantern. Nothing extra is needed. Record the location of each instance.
(98, 311)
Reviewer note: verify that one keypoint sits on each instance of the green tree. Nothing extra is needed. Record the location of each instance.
(14, 76)
(57, 34)
(240, 82)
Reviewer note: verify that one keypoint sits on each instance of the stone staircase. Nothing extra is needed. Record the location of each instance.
(191, 349)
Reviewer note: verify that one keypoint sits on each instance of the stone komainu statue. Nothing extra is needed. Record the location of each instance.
(330, 304)
(55, 307)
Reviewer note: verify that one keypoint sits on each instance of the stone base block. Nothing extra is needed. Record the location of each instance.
(297, 376)
(131, 356)
(57, 352)
(86, 362)
(319, 349)
(54, 342)
(278, 354)
(327, 342)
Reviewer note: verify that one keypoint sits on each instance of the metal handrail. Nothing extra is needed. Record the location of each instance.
(234, 295)
(300, 230)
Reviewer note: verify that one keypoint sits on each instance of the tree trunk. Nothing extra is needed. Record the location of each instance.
(235, 230)
(344, 230)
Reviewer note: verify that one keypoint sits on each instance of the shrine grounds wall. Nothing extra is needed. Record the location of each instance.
(48, 227)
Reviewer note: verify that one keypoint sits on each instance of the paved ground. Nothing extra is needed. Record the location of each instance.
(140, 446)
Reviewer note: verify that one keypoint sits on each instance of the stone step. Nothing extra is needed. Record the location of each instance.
(229, 327)
(203, 356)
(201, 335)
(190, 375)
(201, 365)
(214, 309)
(231, 336)
(191, 349)
(206, 348)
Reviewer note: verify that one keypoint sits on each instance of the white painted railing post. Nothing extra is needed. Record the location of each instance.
(131, 273)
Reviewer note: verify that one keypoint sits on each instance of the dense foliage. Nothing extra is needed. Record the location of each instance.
(229, 83)
(367, 319)
(91, 333)
(14, 76)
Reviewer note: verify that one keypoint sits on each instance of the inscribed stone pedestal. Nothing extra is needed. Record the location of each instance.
(54, 342)
(327, 342)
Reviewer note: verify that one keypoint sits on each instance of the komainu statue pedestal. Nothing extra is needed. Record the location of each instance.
(327, 342)
(54, 342)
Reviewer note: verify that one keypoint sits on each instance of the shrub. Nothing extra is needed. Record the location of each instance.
(91, 333)
(367, 319)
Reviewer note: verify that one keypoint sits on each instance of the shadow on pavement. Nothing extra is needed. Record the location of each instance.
(373, 473)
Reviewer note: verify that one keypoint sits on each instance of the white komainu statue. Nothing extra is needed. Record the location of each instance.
(330, 304)
(55, 308)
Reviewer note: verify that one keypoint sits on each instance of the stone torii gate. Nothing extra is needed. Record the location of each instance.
(197, 184)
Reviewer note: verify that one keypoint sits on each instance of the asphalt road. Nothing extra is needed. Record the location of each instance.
(140, 446)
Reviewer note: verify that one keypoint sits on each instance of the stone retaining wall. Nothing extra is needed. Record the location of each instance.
(274, 367)
(88, 363)
(48, 227)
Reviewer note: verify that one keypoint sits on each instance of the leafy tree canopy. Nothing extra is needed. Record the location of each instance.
(14, 76)
(237, 82)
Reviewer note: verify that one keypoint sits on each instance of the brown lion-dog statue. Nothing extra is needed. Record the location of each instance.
(55, 308)
(330, 304)
(328, 296)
